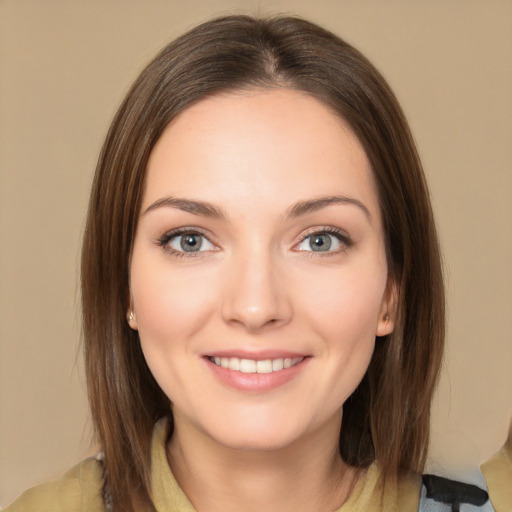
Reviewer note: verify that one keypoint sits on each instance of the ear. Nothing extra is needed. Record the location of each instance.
(388, 309)
(131, 318)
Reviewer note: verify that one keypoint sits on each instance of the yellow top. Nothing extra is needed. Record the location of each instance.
(498, 474)
(79, 490)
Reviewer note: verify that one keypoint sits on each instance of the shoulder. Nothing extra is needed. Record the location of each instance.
(439, 494)
(498, 473)
(79, 490)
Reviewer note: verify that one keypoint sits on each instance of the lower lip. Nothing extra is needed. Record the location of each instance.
(256, 382)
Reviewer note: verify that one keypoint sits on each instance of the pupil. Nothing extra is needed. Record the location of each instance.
(321, 243)
(190, 243)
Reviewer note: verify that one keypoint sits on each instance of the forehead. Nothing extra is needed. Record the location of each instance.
(279, 143)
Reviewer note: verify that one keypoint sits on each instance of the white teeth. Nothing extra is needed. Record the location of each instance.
(253, 366)
(247, 366)
(234, 364)
(264, 366)
(277, 364)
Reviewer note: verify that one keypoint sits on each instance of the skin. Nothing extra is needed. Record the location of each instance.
(256, 284)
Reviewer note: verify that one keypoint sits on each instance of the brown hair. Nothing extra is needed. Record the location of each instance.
(387, 417)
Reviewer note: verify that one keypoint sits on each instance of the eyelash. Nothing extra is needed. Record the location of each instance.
(341, 236)
(164, 240)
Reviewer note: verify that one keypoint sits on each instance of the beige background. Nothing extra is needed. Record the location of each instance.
(65, 66)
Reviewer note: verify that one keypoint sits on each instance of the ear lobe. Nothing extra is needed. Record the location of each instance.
(132, 319)
(387, 313)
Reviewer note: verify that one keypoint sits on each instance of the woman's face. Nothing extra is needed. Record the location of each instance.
(258, 272)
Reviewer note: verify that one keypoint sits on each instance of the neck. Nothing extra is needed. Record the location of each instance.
(307, 475)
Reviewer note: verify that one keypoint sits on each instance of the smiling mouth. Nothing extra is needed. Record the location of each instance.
(256, 366)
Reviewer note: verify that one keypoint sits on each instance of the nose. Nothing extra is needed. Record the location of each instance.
(256, 294)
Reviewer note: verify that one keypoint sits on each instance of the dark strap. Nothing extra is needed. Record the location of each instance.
(438, 493)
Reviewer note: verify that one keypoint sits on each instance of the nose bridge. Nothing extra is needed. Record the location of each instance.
(256, 295)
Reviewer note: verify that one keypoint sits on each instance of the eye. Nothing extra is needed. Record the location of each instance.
(186, 242)
(324, 241)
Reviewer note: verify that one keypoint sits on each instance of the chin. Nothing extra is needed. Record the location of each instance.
(258, 436)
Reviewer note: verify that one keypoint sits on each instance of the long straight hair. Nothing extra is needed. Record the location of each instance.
(387, 418)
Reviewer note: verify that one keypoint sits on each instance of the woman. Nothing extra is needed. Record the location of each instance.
(263, 306)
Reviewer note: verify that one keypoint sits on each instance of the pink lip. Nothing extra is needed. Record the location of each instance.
(255, 382)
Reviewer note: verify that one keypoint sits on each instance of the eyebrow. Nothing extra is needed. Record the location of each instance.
(313, 205)
(300, 208)
(188, 205)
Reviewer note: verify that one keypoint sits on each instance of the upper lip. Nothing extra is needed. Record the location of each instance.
(256, 355)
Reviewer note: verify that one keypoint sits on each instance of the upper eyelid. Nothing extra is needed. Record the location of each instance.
(330, 230)
(184, 230)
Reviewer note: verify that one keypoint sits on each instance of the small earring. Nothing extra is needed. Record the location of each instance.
(131, 316)
(386, 318)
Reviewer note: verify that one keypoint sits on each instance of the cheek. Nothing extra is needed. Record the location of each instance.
(344, 310)
(346, 303)
(168, 306)
(170, 310)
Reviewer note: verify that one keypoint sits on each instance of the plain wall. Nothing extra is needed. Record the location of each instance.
(64, 68)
